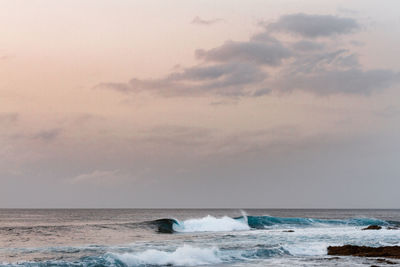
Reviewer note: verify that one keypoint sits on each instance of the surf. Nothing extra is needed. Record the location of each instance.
(244, 223)
(182, 256)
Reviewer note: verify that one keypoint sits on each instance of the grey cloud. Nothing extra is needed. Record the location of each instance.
(262, 92)
(238, 69)
(224, 103)
(348, 61)
(85, 118)
(203, 73)
(253, 141)
(224, 79)
(119, 87)
(47, 135)
(178, 136)
(357, 43)
(338, 59)
(265, 37)
(199, 21)
(265, 53)
(307, 46)
(347, 11)
(351, 81)
(312, 26)
(8, 117)
(334, 72)
(97, 177)
(238, 156)
(198, 141)
(388, 112)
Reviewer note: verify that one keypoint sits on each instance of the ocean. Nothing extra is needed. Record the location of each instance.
(190, 237)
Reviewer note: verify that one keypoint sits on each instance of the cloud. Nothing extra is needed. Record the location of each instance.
(347, 11)
(47, 135)
(388, 111)
(8, 117)
(265, 53)
(334, 72)
(6, 57)
(262, 92)
(253, 141)
(96, 176)
(312, 26)
(265, 37)
(357, 43)
(324, 60)
(22, 136)
(229, 102)
(242, 69)
(199, 21)
(204, 142)
(351, 81)
(307, 46)
(177, 136)
(230, 79)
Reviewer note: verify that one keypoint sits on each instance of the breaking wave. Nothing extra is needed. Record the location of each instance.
(211, 224)
(260, 222)
(182, 256)
(185, 255)
(227, 224)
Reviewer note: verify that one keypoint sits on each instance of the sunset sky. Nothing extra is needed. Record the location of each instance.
(181, 103)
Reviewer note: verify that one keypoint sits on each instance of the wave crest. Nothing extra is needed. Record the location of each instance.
(211, 224)
(182, 256)
(243, 223)
(262, 222)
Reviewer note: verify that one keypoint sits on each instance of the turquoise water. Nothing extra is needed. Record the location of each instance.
(189, 237)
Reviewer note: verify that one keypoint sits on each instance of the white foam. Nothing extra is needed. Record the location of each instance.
(307, 248)
(211, 224)
(182, 256)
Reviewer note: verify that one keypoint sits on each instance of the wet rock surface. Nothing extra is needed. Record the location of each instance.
(373, 227)
(363, 251)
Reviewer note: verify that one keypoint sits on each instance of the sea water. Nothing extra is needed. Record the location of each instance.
(196, 237)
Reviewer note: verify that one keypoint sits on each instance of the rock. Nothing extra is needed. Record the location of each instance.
(363, 251)
(288, 231)
(373, 227)
(392, 228)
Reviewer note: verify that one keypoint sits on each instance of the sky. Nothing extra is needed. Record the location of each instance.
(199, 104)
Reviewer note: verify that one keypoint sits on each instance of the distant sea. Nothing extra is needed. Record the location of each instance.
(189, 237)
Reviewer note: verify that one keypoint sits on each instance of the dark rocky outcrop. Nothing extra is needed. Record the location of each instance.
(363, 251)
(288, 231)
(373, 227)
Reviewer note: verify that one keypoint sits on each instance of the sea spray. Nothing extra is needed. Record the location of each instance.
(182, 256)
(244, 215)
(211, 224)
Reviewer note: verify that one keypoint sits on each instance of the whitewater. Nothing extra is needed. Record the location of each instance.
(191, 237)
